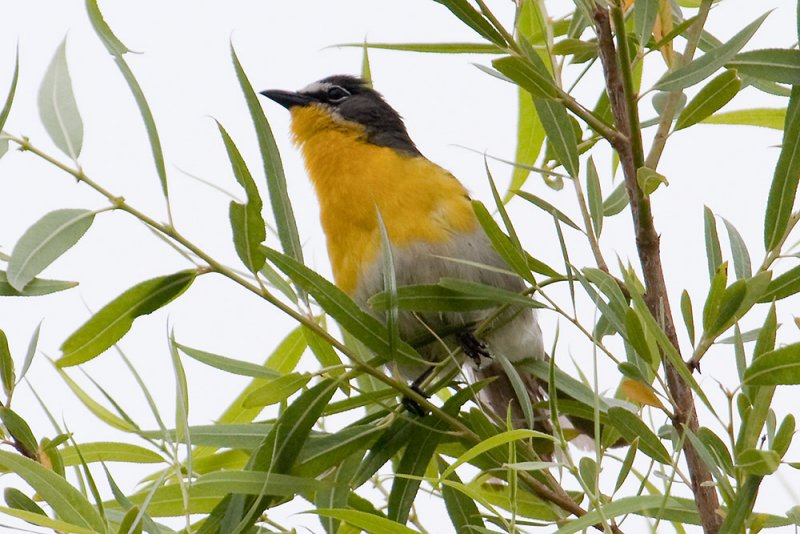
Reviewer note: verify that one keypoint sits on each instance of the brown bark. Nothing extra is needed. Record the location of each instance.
(648, 247)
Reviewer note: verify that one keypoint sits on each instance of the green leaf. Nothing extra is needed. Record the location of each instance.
(229, 365)
(7, 373)
(504, 246)
(11, 91)
(763, 117)
(595, 196)
(710, 99)
(783, 286)
(333, 300)
(475, 20)
(787, 172)
(784, 436)
(560, 133)
(18, 500)
(69, 503)
(96, 408)
(433, 298)
(273, 168)
(461, 508)
(328, 451)
(492, 442)
(46, 240)
(631, 427)
(774, 65)
(47, 522)
(531, 75)
(110, 451)
(627, 463)
(363, 520)
(741, 258)
(276, 390)
(688, 315)
(645, 13)
(616, 201)
(759, 397)
(431, 48)
(18, 429)
(113, 321)
(32, 344)
(713, 250)
(649, 180)
(729, 305)
(490, 293)
(249, 230)
(549, 208)
(232, 436)
(530, 137)
(758, 462)
(57, 107)
(34, 288)
(777, 367)
(702, 67)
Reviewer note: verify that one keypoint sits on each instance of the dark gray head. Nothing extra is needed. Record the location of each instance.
(350, 98)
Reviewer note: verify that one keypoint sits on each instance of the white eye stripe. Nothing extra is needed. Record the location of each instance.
(316, 87)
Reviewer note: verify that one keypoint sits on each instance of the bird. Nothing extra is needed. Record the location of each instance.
(367, 172)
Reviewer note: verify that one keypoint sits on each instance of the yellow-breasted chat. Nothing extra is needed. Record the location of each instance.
(362, 163)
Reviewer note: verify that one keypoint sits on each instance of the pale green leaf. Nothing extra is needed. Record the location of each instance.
(57, 107)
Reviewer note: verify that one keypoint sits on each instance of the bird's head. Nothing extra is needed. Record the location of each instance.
(347, 104)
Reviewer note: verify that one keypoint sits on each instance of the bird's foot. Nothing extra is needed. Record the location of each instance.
(413, 406)
(473, 348)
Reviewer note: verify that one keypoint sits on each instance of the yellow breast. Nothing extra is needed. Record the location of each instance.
(417, 199)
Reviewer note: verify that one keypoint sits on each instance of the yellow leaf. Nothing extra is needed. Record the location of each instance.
(663, 27)
(640, 393)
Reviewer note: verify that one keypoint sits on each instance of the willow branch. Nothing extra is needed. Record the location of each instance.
(619, 84)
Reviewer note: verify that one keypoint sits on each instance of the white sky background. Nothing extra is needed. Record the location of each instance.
(186, 73)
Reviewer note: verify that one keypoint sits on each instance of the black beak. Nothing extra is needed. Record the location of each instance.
(287, 99)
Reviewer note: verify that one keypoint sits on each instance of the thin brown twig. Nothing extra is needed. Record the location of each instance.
(619, 84)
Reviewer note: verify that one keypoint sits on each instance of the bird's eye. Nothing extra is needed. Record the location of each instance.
(337, 94)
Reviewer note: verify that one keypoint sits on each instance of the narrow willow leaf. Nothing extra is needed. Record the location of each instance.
(764, 117)
(742, 507)
(530, 137)
(711, 98)
(108, 451)
(46, 522)
(595, 197)
(758, 462)
(688, 314)
(273, 168)
(368, 522)
(616, 201)
(635, 336)
(323, 351)
(741, 257)
(787, 173)
(11, 91)
(340, 307)
(783, 286)
(69, 503)
(46, 240)
(32, 344)
(96, 408)
(276, 390)
(474, 19)
(714, 297)
(249, 230)
(497, 440)
(461, 508)
(388, 444)
(627, 463)
(18, 428)
(530, 75)
(549, 208)
(630, 426)
(649, 180)
(229, 365)
(18, 500)
(729, 304)
(325, 452)
(784, 436)
(492, 293)
(432, 48)
(780, 366)
(113, 321)
(560, 133)
(57, 107)
(775, 65)
(34, 288)
(7, 373)
(645, 13)
(713, 250)
(699, 69)
(131, 522)
(502, 243)
(433, 298)
(240, 436)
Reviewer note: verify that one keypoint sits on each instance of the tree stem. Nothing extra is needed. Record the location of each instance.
(626, 117)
